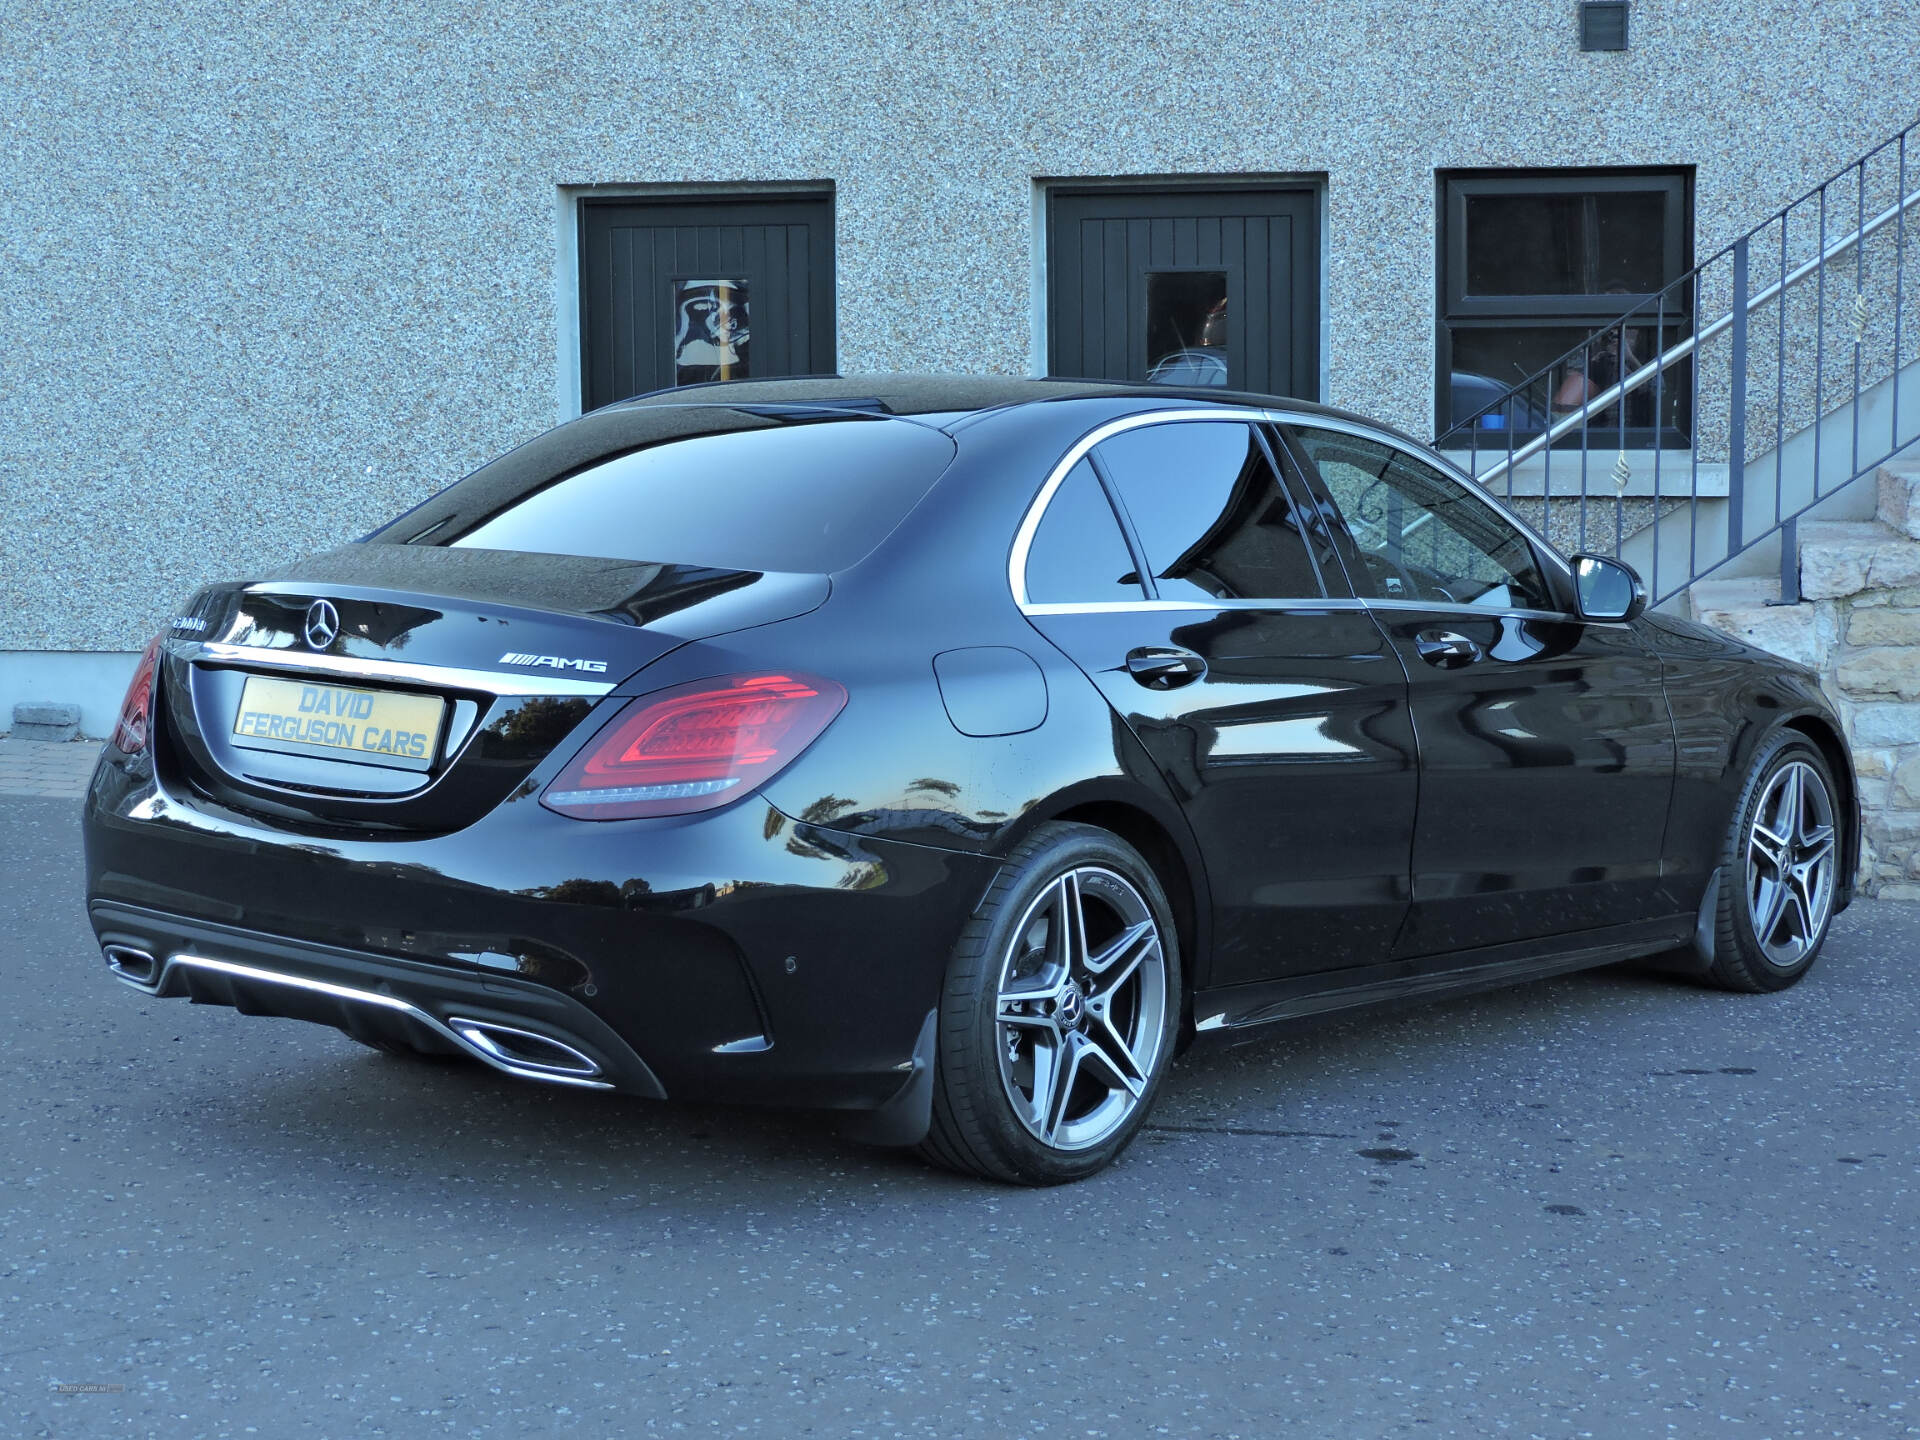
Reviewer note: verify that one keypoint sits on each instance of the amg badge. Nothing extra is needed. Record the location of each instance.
(555, 662)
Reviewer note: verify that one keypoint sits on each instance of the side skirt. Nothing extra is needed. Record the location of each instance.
(1243, 1007)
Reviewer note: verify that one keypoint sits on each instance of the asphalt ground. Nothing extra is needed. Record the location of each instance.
(1608, 1205)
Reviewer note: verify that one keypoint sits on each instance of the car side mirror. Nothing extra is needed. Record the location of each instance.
(1607, 589)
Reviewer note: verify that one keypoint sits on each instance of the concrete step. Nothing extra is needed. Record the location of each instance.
(1742, 608)
(1846, 557)
(1746, 592)
(1899, 499)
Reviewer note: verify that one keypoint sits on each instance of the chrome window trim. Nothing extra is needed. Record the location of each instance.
(1485, 612)
(494, 682)
(1342, 603)
(1037, 507)
(1106, 607)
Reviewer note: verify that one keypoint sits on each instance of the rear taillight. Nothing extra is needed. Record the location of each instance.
(694, 747)
(136, 711)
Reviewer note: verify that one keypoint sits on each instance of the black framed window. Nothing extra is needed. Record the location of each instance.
(1536, 264)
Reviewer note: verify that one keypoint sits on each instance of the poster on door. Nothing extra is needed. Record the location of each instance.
(710, 331)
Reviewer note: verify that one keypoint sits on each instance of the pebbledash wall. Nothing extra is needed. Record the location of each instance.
(270, 273)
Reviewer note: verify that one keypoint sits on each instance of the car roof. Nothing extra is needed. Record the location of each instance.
(955, 398)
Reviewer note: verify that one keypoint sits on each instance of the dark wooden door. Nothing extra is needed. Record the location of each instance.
(678, 291)
(1189, 286)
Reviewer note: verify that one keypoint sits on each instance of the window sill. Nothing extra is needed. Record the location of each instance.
(1531, 476)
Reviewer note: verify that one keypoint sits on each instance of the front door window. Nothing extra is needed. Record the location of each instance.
(1420, 535)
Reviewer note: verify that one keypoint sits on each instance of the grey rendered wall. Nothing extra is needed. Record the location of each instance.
(270, 272)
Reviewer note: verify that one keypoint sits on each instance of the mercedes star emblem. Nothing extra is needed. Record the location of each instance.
(323, 624)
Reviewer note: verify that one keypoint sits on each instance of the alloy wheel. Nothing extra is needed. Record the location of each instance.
(1791, 864)
(1081, 1008)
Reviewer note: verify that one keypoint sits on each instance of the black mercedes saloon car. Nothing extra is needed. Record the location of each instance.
(949, 753)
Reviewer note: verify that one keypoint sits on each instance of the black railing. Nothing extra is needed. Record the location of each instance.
(1756, 404)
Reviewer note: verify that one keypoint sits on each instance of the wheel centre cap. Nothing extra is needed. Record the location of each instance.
(1073, 1006)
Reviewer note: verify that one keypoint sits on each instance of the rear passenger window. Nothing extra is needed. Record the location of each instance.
(1215, 522)
(1078, 554)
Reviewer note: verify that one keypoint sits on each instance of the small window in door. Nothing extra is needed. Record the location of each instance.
(711, 331)
(1187, 327)
(1078, 555)
(1420, 535)
(1213, 519)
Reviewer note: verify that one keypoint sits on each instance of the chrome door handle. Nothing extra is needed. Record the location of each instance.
(1162, 668)
(1447, 649)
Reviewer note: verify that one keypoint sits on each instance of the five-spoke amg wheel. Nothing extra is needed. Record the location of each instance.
(1059, 1014)
(1783, 868)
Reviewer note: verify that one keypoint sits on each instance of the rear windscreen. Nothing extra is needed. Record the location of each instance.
(812, 497)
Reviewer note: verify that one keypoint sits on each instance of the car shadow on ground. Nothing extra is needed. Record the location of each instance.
(329, 1101)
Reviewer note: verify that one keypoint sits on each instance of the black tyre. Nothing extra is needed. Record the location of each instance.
(1060, 1013)
(1781, 869)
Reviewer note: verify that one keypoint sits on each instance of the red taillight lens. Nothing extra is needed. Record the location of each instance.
(694, 747)
(136, 711)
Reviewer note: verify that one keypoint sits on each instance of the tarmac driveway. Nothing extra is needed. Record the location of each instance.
(1606, 1205)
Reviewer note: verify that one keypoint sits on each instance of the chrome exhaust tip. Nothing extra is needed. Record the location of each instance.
(134, 967)
(523, 1051)
(251, 988)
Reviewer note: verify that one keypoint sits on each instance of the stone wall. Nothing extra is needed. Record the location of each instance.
(1858, 624)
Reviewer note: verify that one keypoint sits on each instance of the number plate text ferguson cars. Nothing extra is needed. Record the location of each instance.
(380, 727)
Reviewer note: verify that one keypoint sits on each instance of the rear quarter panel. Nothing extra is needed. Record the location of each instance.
(894, 765)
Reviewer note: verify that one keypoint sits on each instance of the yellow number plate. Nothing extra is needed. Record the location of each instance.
(374, 727)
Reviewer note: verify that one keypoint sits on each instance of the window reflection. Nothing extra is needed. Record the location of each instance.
(1187, 327)
(1535, 265)
(1078, 553)
(1212, 517)
(1596, 243)
(1420, 536)
(1489, 359)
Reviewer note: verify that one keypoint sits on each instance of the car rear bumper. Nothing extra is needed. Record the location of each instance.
(739, 956)
(528, 1030)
